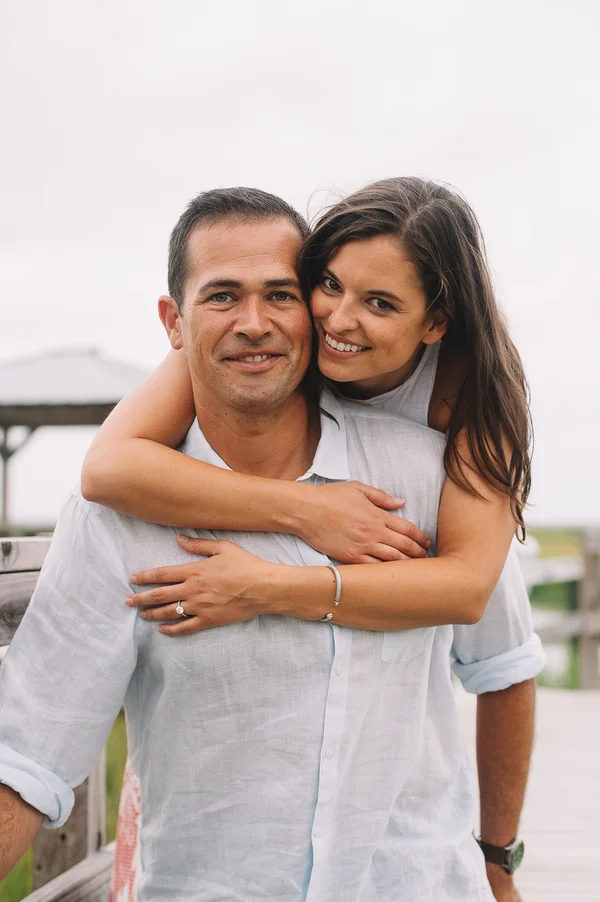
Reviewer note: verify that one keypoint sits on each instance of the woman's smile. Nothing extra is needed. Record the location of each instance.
(336, 345)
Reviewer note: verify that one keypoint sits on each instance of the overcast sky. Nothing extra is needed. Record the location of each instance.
(115, 114)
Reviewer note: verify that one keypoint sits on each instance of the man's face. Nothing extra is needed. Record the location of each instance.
(244, 326)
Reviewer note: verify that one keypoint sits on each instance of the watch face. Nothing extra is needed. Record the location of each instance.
(515, 856)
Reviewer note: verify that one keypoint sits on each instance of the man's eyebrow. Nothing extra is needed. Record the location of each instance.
(283, 283)
(219, 283)
(233, 283)
(376, 292)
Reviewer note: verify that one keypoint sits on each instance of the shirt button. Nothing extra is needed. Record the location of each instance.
(329, 752)
(317, 832)
(340, 670)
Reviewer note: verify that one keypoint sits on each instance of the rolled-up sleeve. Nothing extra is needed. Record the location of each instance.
(66, 673)
(37, 786)
(501, 649)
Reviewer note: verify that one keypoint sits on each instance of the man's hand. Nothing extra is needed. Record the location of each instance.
(502, 884)
(227, 587)
(352, 523)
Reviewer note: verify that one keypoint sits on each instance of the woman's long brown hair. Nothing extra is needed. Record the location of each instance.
(441, 233)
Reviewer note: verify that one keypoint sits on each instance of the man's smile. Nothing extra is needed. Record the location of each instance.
(253, 363)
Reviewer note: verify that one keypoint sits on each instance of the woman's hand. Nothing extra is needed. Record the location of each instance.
(224, 588)
(351, 522)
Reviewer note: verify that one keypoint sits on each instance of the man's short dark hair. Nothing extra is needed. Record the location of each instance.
(213, 206)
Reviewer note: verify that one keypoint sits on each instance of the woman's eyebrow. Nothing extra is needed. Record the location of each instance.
(378, 292)
(330, 273)
(382, 293)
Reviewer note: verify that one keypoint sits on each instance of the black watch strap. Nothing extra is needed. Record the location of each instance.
(508, 857)
(493, 854)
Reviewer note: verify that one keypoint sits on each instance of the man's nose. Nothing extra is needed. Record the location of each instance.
(343, 317)
(253, 319)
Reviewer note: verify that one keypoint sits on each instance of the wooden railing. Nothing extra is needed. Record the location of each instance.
(583, 623)
(72, 864)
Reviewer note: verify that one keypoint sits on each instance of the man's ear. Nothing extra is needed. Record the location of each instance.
(437, 329)
(171, 320)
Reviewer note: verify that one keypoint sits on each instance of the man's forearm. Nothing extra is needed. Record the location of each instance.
(19, 823)
(505, 727)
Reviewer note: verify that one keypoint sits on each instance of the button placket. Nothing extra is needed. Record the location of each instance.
(335, 715)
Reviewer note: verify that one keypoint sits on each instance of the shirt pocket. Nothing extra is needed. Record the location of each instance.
(402, 645)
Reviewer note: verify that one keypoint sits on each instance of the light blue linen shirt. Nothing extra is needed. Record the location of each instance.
(278, 759)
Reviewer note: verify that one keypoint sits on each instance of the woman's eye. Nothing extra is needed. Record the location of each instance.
(330, 284)
(380, 304)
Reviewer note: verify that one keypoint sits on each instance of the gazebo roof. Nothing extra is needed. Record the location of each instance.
(75, 387)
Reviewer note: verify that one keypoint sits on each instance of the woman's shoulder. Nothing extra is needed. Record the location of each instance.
(450, 375)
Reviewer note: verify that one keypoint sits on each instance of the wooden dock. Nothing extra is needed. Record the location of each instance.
(561, 819)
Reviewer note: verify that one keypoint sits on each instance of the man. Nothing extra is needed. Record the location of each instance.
(278, 759)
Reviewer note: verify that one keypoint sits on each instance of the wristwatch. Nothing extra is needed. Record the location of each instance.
(508, 857)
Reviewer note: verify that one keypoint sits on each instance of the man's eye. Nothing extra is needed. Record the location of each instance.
(221, 298)
(381, 304)
(330, 284)
(283, 296)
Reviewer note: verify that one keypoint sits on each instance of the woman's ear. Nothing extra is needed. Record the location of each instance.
(438, 326)
(170, 317)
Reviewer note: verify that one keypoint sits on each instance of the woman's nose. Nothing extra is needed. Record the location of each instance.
(342, 317)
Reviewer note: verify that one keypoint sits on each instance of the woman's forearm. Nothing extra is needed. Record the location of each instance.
(348, 521)
(391, 596)
(161, 485)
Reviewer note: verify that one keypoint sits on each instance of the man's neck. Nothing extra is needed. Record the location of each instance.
(278, 444)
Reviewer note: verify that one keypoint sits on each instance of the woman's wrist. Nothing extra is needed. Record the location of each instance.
(302, 592)
(294, 509)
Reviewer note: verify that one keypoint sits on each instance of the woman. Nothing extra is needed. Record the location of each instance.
(406, 319)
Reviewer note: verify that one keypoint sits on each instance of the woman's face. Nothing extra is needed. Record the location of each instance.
(370, 315)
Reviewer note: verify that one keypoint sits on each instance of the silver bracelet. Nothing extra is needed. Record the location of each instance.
(338, 591)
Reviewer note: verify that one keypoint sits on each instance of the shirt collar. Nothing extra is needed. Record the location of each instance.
(331, 457)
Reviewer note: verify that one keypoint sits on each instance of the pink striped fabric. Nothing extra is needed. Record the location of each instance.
(126, 864)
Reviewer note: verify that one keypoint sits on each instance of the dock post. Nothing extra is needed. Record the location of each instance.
(589, 603)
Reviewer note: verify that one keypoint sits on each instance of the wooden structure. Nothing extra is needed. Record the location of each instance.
(60, 388)
(73, 864)
(83, 838)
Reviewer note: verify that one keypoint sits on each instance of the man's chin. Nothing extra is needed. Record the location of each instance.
(255, 399)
